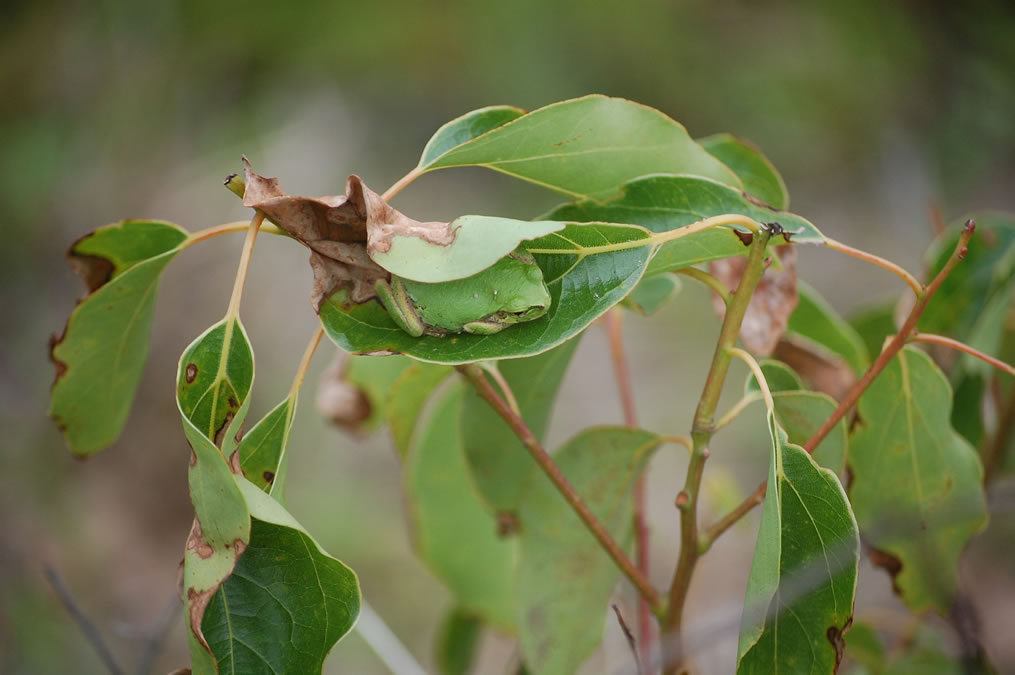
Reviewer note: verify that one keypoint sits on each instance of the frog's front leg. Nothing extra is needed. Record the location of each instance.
(484, 327)
(395, 299)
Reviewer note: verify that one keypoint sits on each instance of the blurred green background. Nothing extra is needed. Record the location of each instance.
(873, 111)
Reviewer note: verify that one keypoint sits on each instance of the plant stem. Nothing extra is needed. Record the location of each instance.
(241, 272)
(401, 183)
(308, 354)
(898, 271)
(701, 433)
(228, 228)
(897, 343)
(88, 628)
(622, 373)
(474, 374)
(962, 347)
(882, 361)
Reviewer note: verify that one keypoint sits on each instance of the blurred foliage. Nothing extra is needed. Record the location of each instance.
(860, 104)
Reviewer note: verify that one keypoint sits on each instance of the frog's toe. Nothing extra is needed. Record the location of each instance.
(483, 327)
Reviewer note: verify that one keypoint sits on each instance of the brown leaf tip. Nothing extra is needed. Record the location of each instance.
(746, 238)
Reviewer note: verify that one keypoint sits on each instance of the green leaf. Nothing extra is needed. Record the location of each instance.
(458, 642)
(465, 128)
(916, 486)
(479, 242)
(778, 376)
(801, 413)
(873, 325)
(986, 270)
(759, 176)
(497, 460)
(406, 398)
(664, 203)
(287, 602)
(817, 321)
(454, 534)
(101, 354)
(215, 376)
(564, 576)
(649, 295)
(583, 285)
(262, 449)
(585, 147)
(803, 578)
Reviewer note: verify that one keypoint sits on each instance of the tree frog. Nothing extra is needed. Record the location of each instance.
(511, 291)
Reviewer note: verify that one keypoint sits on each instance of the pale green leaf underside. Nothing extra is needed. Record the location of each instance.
(564, 576)
(585, 148)
(480, 241)
(917, 484)
(582, 287)
(103, 349)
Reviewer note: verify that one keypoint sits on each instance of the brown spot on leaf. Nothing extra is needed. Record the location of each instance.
(193, 457)
(220, 432)
(835, 636)
(190, 373)
(196, 542)
(757, 202)
(197, 603)
(746, 238)
(269, 477)
(93, 270)
(234, 463)
(773, 301)
(239, 546)
(507, 524)
(233, 403)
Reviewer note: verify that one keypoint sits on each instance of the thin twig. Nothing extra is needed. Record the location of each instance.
(308, 355)
(622, 373)
(475, 376)
(707, 279)
(882, 361)
(157, 635)
(631, 642)
(88, 629)
(888, 265)
(930, 338)
(491, 369)
(401, 183)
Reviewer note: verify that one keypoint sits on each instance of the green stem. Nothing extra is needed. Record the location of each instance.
(701, 434)
(474, 374)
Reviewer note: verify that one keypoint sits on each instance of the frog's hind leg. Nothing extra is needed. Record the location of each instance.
(395, 299)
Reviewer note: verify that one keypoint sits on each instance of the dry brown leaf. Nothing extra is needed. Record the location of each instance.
(771, 305)
(340, 230)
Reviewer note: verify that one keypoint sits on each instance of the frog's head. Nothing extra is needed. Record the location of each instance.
(520, 292)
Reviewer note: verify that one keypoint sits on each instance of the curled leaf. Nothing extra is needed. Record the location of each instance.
(771, 305)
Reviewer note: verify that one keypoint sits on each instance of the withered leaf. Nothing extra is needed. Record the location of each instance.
(340, 230)
(772, 303)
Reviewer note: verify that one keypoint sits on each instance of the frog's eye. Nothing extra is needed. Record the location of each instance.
(534, 274)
